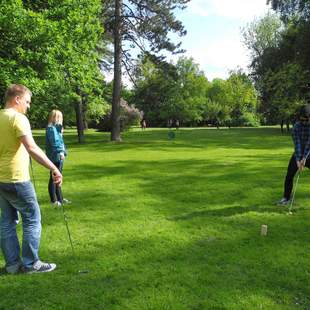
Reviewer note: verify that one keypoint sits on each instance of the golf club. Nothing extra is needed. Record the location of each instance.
(65, 217)
(294, 192)
(295, 188)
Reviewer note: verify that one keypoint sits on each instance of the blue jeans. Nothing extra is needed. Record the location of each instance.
(19, 197)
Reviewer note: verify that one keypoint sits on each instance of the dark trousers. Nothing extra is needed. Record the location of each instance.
(53, 190)
(291, 171)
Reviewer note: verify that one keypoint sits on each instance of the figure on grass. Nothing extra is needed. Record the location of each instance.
(143, 124)
(16, 190)
(56, 152)
(300, 157)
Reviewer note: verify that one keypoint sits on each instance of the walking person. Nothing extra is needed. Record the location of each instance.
(56, 152)
(177, 124)
(300, 157)
(143, 124)
(16, 190)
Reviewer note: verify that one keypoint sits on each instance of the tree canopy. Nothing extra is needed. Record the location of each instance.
(145, 25)
(182, 92)
(52, 47)
(281, 67)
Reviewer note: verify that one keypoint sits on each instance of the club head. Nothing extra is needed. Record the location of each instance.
(83, 271)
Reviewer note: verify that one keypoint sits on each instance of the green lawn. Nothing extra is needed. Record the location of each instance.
(166, 224)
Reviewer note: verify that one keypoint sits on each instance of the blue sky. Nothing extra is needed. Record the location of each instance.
(214, 33)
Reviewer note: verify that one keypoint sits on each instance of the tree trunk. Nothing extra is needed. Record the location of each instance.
(282, 124)
(79, 121)
(84, 111)
(116, 128)
(288, 126)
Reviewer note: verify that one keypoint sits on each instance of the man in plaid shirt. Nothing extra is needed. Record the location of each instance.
(300, 158)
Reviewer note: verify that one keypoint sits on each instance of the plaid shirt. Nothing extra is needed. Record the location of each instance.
(301, 138)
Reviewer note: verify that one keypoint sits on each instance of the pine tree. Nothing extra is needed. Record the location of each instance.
(144, 24)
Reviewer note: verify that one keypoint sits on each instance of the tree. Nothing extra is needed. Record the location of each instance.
(281, 68)
(242, 98)
(261, 35)
(143, 24)
(218, 108)
(232, 101)
(155, 91)
(167, 91)
(291, 8)
(192, 88)
(57, 57)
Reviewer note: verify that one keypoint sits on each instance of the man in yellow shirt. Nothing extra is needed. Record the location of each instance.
(16, 190)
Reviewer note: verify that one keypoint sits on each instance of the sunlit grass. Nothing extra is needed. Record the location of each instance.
(164, 224)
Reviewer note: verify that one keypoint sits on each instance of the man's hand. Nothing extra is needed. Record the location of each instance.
(301, 164)
(41, 158)
(57, 177)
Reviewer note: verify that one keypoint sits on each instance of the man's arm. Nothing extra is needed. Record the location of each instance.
(297, 142)
(307, 147)
(297, 146)
(38, 155)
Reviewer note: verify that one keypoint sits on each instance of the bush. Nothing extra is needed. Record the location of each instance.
(249, 119)
(130, 116)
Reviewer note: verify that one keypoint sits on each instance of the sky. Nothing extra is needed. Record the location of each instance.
(214, 37)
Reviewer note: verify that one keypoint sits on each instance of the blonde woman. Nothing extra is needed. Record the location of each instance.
(56, 152)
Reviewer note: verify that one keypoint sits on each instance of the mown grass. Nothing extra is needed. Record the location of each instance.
(166, 224)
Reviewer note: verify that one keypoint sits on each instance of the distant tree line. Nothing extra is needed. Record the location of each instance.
(181, 92)
(280, 49)
(59, 48)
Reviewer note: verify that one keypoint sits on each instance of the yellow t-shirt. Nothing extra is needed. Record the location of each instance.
(14, 158)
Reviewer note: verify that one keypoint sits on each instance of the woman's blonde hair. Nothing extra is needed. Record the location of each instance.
(55, 118)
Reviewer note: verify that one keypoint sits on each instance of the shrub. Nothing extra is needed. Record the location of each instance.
(130, 116)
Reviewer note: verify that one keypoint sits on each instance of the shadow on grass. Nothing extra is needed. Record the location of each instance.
(226, 212)
(244, 138)
(141, 272)
(174, 234)
(207, 182)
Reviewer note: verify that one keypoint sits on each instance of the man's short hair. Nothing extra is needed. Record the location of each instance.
(15, 90)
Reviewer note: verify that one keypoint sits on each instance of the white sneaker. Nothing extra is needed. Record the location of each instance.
(66, 201)
(283, 202)
(39, 267)
(56, 204)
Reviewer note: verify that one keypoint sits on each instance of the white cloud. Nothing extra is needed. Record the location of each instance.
(218, 57)
(220, 23)
(222, 53)
(238, 9)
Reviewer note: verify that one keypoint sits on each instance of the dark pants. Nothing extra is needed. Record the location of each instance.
(55, 191)
(291, 171)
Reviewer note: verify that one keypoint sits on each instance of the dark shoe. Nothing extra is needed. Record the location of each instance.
(39, 267)
(14, 269)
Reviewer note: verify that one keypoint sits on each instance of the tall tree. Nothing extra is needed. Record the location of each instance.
(118, 26)
(52, 47)
(143, 24)
(290, 8)
(166, 91)
(281, 69)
